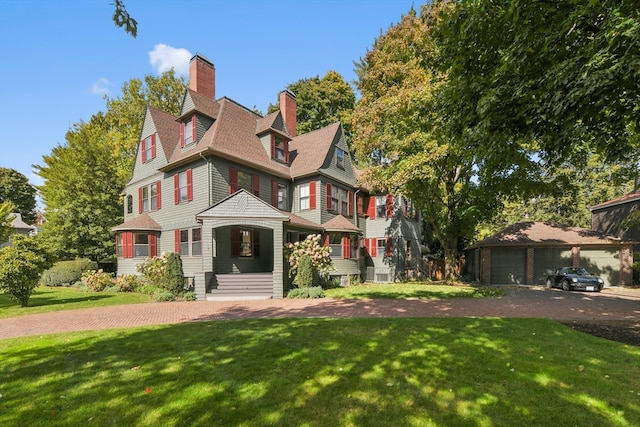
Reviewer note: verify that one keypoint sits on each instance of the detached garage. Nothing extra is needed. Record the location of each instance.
(525, 253)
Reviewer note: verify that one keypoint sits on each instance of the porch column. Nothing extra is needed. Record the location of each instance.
(278, 259)
(208, 249)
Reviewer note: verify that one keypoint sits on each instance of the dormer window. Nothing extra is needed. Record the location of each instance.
(188, 131)
(279, 148)
(148, 148)
(340, 158)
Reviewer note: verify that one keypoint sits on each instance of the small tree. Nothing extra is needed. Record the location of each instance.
(304, 275)
(21, 266)
(173, 274)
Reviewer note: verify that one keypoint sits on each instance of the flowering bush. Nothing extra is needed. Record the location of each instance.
(311, 247)
(164, 271)
(97, 281)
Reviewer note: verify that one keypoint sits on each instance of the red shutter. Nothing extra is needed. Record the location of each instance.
(350, 203)
(286, 152)
(235, 241)
(153, 243)
(159, 194)
(255, 184)
(194, 133)
(176, 243)
(256, 243)
(127, 244)
(189, 185)
(359, 205)
(273, 146)
(329, 207)
(326, 240)
(181, 134)
(346, 250)
(274, 193)
(153, 146)
(389, 205)
(176, 188)
(233, 180)
(312, 195)
(143, 149)
(389, 248)
(374, 247)
(371, 209)
(140, 200)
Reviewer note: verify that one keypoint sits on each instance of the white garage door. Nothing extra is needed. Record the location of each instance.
(508, 266)
(602, 262)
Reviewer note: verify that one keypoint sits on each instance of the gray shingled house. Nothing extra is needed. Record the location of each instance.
(526, 252)
(226, 188)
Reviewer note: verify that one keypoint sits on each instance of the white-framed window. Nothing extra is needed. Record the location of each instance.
(150, 197)
(129, 204)
(141, 245)
(344, 201)
(196, 241)
(245, 180)
(340, 158)
(188, 131)
(382, 247)
(304, 197)
(282, 197)
(280, 149)
(149, 148)
(335, 243)
(381, 206)
(183, 193)
(189, 241)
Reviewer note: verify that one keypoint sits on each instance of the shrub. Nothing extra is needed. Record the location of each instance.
(21, 266)
(304, 274)
(127, 283)
(161, 295)
(320, 255)
(173, 275)
(307, 292)
(66, 273)
(189, 296)
(97, 281)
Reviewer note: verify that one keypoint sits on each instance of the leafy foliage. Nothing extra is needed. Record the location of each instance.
(164, 271)
(310, 247)
(66, 273)
(304, 273)
(562, 73)
(21, 266)
(6, 217)
(15, 188)
(306, 292)
(122, 19)
(321, 102)
(97, 281)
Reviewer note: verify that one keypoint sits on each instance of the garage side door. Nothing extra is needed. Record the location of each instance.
(547, 260)
(508, 266)
(602, 262)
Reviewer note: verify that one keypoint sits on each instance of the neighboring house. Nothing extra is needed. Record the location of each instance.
(525, 253)
(20, 227)
(227, 188)
(607, 217)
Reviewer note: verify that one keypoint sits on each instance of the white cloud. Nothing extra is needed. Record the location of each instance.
(164, 57)
(101, 87)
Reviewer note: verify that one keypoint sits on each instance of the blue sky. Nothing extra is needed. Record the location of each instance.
(58, 58)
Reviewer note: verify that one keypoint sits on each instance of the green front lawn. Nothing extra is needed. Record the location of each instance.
(322, 372)
(59, 298)
(424, 290)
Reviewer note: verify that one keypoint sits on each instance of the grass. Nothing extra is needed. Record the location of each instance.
(322, 372)
(59, 298)
(424, 290)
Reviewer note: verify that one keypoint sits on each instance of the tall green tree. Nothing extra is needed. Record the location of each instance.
(321, 102)
(564, 73)
(407, 148)
(15, 188)
(83, 178)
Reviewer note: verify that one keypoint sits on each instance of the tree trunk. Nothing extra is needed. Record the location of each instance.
(450, 247)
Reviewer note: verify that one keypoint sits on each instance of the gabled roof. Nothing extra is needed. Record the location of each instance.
(340, 223)
(627, 198)
(272, 123)
(19, 224)
(308, 151)
(298, 221)
(202, 104)
(168, 130)
(232, 136)
(243, 204)
(545, 233)
(143, 223)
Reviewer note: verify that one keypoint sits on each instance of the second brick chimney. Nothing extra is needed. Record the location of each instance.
(202, 76)
(288, 105)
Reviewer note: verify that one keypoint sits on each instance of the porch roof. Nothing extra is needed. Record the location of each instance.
(340, 223)
(142, 222)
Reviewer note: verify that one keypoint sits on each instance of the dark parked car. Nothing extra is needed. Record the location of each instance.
(569, 278)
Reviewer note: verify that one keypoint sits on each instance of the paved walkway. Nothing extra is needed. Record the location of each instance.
(610, 304)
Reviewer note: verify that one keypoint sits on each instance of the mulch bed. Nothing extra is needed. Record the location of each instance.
(624, 331)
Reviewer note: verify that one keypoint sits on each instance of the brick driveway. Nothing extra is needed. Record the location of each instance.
(610, 304)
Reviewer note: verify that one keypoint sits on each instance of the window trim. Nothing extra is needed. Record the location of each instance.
(340, 155)
(126, 244)
(194, 134)
(145, 196)
(188, 173)
(185, 247)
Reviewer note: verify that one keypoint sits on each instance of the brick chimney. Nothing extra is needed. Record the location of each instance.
(202, 76)
(288, 107)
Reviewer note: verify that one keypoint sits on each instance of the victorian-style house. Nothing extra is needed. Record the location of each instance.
(227, 188)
